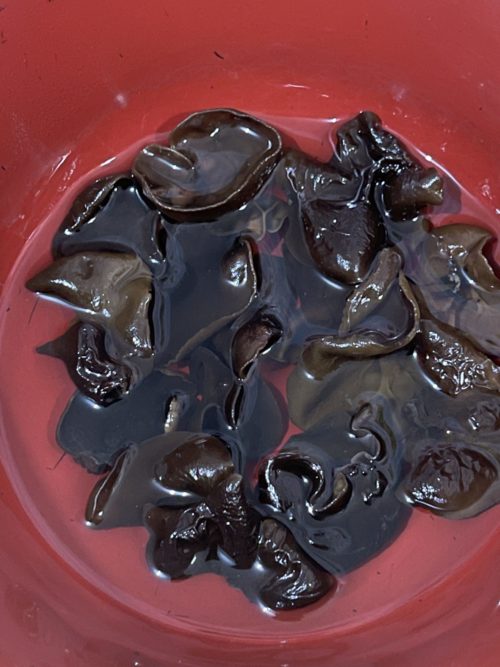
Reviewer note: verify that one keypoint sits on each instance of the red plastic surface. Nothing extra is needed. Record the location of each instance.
(82, 82)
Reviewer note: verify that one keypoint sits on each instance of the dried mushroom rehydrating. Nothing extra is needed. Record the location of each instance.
(231, 286)
(215, 162)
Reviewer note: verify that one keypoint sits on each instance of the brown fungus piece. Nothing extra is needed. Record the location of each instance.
(91, 201)
(365, 147)
(95, 374)
(215, 162)
(254, 338)
(112, 290)
(362, 143)
(296, 580)
(178, 536)
(343, 242)
(238, 524)
(457, 481)
(327, 491)
(368, 295)
(223, 521)
(312, 180)
(452, 362)
(323, 354)
(197, 466)
(412, 190)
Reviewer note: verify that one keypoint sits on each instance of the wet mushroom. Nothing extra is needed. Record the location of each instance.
(178, 536)
(312, 180)
(363, 141)
(452, 362)
(411, 191)
(368, 295)
(254, 338)
(343, 242)
(366, 147)
(237, 522)
(455, 480)
(327, 491)
(296, 581)
(215, 162)
(89, 202)
(323, 354)
(95, 374)
(112, 290)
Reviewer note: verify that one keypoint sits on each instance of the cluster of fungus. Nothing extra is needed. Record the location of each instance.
(226, 256)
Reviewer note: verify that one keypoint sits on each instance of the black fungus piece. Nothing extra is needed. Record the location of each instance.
(369, 426)
(237, 522)
(94, 373)
(452, 362)
(112, 215)
(251, 340)
(368, 296)
(366, 148)
(453, 279)
(176, 469)
(380, 334)
(222, 521)
(196, 466)
(215, 162)
(362, 141)
(343, 242)
(112, 290)
(324, 490)
(316, 181)
(94, 435)
(455, 480)
(332, 225)
(296, 581)
(179, 536)
(412, 191)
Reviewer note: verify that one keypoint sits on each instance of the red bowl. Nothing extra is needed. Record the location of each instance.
(81, 83)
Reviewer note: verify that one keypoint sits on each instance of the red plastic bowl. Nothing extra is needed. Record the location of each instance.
(81, 82)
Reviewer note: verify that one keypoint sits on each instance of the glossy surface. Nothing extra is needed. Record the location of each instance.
(336, 494)
(455, 104)
(215, 162)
